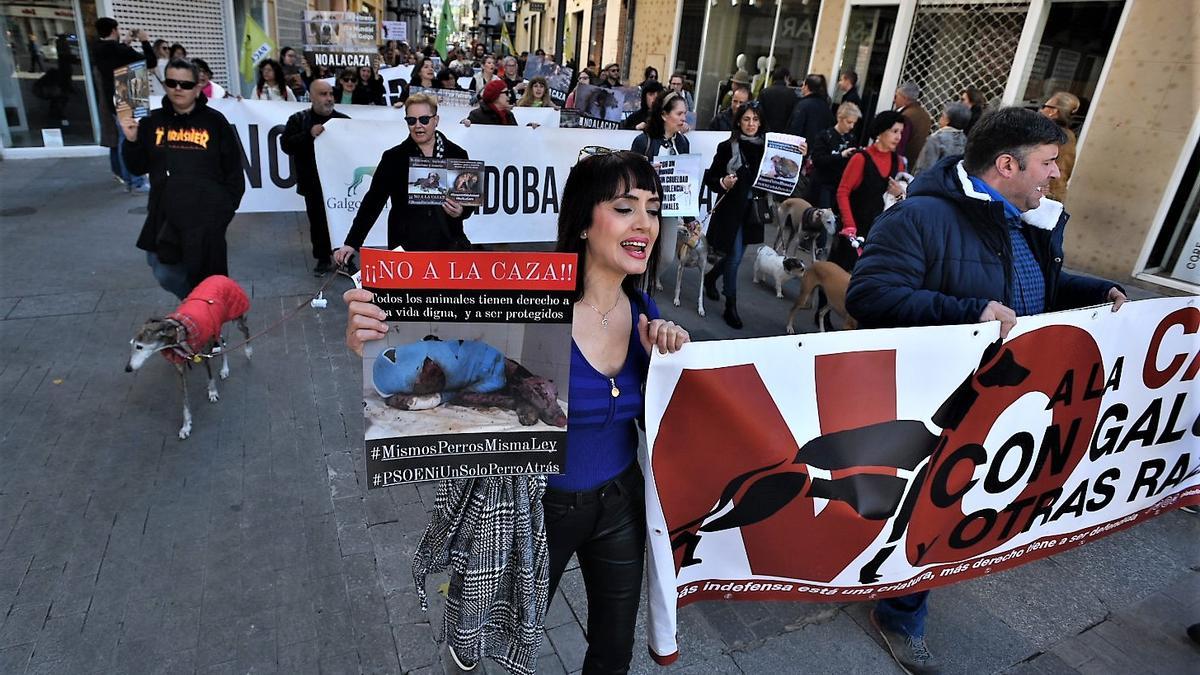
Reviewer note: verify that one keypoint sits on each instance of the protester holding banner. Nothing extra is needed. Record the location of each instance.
(664, 135)
(594, 510)
(424, 76)
(868, 175)
(493, 107)
(194, 161)
(208, 86)
(416, 228)
(370, 80)
(270, 85)
(932, 260)
(831, 151)
(537, 94)
(735, 223)
(513, 83)
(299, 134)
(585, 77)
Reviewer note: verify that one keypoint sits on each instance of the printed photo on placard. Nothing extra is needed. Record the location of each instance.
(613, 104)
(680, 177)
(779, 170)
(131, 91)
(427, 184)
(452, 98)
(570, 118)
(465, 178)
(472, 378)
(339, 31)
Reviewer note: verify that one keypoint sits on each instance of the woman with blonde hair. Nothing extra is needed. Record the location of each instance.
(537, 94)
(1061, 107)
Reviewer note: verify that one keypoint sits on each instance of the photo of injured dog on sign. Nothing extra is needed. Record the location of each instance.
(436, 378)
(471, 379)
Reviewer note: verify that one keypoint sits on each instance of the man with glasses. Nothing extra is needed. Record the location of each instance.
(194, 161)
(611, 76)
(675, 84)
(299, 134)
(413, 227)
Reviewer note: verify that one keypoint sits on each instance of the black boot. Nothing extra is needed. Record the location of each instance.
(731, 315)
(710, 284)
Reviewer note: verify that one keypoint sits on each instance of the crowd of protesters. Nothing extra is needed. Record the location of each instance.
(967, 174)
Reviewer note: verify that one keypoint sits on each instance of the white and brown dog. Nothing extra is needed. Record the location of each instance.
(770, 265)
(190, 333)
(834, 281)
(811, 228)
(691, 250)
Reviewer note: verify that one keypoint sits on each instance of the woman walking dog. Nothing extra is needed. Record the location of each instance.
(595, 508)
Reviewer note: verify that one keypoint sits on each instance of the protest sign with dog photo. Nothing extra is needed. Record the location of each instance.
(780, 168)
(471, 379)
(131, 91)
(680, 176)
(432, 180)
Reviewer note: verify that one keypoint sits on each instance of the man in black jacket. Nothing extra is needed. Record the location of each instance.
(416, 228)
(299, 134)
(196, 182)
(108, 54)
(811, 115)
(777, 100)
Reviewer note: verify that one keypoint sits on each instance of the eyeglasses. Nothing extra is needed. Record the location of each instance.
(349, 78)
(593, 151)
(186, 85)
(423, 119)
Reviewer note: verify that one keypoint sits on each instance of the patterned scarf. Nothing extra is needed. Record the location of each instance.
(490, 535)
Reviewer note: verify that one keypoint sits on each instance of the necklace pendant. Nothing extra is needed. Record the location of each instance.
(615, 391)
(604, 322)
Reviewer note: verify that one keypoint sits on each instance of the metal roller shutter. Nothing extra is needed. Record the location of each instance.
(198, 25)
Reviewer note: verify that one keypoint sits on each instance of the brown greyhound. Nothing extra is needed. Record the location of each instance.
(833, 280)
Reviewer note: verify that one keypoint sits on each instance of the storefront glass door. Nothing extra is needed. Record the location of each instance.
(869, 34)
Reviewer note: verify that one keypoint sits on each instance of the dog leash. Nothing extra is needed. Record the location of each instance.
(218, 350)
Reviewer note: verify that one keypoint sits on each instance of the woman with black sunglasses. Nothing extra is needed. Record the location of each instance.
(735, 223)
(350, 90)
(595, 509)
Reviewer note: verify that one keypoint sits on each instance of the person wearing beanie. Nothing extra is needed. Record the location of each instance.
(869, 174)
(494, 107)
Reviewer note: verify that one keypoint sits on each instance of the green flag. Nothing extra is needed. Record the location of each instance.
(445, 23)
(505, 40)
(255, 47)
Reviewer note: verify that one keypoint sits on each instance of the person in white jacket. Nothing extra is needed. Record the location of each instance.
(271, 86)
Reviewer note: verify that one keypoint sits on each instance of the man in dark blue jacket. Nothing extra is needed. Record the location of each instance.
(975, 240)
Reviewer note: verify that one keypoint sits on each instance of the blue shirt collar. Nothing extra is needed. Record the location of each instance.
(1010, 212)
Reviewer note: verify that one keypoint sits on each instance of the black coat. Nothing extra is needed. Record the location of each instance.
(196, 183)
(486, 114)
(108, 55)
(777, 101)
(736, 208)
(648, 147)
(810, 117)
(297, 141)
(362, 95)
(416, 228)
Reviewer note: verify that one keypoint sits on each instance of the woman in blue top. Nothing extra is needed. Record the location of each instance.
(595, 509)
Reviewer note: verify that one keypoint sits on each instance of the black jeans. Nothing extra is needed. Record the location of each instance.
(318, 226)
(606, 529)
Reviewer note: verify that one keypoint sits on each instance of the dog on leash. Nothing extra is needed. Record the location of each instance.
(833, 280)
(691, 250)
(810, 227)
(772, 265)
(190, 333)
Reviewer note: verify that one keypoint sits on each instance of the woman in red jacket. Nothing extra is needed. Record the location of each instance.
(869, 174)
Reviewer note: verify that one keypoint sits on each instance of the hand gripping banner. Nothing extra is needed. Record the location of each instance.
(869, 464)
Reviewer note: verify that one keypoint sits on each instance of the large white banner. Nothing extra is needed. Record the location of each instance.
(526, 167)
(865, 464)
(523, 177)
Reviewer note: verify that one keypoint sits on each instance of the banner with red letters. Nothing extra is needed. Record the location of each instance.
(868, 464)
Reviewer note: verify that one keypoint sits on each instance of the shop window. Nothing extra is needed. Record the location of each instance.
(868, 41)
(1176, 251)
(43, 80)
(1071, 53)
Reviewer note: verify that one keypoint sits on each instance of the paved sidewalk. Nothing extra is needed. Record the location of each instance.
(254, 546)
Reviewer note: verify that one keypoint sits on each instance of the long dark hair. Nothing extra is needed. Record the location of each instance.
(279, 83)
(654, 121)
(415, 80)
(739, 113)
(595, 180)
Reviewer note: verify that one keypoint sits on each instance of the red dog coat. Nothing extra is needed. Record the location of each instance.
(215, 302)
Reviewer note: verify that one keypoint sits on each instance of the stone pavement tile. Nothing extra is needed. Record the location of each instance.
(367, 607)
(56, 304)
(301, 658)
(359, 570)
(377, 651)
(415, 645)
(549, 664)
(558, 612)
(217, 642)
(340, 662)
(14, 659)
(296, 622)
(329, 594)
(177, 662)
(1105, 657)
(837, 646)
(6, 306)
(335, 632)
(1043, 664)
(1157, 650)
(570, 645)
(722, 664)
(57, 638)
(257, 652)
(38, 585)
(23, 624)
(226, 668)
(571, 588)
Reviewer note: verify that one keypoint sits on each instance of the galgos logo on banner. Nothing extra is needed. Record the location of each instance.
(885, 462)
